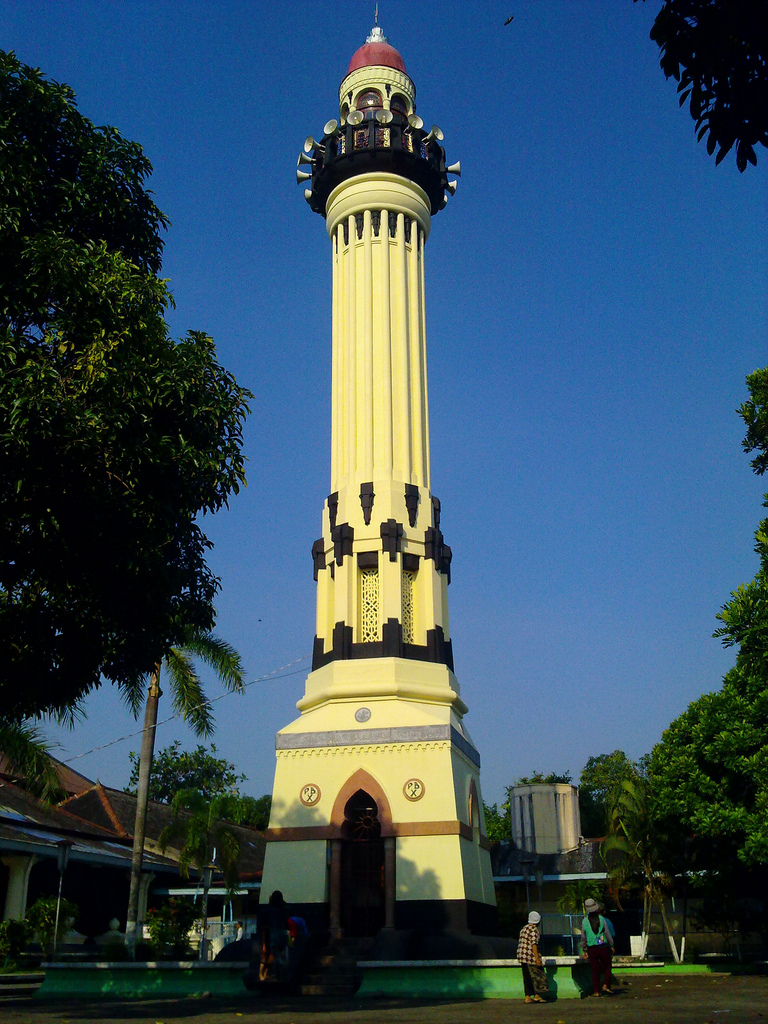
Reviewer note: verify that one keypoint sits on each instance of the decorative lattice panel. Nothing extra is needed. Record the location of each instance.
(369, 606)
(407, 614)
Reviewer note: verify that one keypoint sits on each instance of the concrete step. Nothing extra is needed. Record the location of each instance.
(20, 986)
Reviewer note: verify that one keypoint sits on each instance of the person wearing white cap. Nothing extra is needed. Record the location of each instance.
(597, 946)
(534, 979)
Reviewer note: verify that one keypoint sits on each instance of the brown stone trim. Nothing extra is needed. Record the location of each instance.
(294, 833)
(474, 811)
(361, 779)
(109, 810)
(401, 829)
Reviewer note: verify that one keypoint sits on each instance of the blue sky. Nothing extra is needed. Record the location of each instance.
(595, 298)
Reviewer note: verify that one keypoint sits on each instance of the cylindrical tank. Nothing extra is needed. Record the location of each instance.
(545, 817)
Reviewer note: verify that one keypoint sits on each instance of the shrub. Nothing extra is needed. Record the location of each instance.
(169, 926)
(13, 939)
(41, 918)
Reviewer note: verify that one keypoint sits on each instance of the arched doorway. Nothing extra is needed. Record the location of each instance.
(362, 867)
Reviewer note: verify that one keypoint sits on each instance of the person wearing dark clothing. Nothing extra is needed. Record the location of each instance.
(274, 938)
(597, 947)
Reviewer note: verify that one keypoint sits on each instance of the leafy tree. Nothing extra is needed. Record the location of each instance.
(538, 777)
(599, 782)
(252, 811)
(202, 827)
(717, 51)
(745, 616)
(710, 772)
(174, 769)
(576, 893)
(497, 822)
(113, 436)
(190, 702)
(711, 766)
(634, 852)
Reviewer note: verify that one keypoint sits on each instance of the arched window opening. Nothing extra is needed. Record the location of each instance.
(370, 100)
(399, 105)
(361, 818)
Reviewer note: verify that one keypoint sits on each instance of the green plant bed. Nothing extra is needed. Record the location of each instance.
(140, 980)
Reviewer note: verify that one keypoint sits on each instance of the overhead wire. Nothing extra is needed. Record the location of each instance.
(205, 703)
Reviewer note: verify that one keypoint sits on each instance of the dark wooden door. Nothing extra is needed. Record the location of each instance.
(362, 887)
(362, 868)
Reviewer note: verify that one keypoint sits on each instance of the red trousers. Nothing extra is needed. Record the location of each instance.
(600, 962)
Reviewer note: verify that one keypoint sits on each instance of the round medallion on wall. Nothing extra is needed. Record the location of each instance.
(362, 714)
(413, 789)
(310, 794)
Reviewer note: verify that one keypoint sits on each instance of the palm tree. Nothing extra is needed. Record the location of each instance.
(633, 853)
(207, 839)
(27, 756)
(190, 702)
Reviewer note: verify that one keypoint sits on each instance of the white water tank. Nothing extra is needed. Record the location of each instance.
(545, 817)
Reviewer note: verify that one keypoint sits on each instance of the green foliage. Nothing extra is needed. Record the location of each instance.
(14, 936)
(576, 893)
(711, 767)
(635, 849)
(538, 777)
(41, 918)
(202, 827)
(745, 616)
(113, 436)
(28, 760)
(253, 811)
(710, 772)
(497, 822)
(174, 769)
(717, 51)
(169, 926)
(599, 783)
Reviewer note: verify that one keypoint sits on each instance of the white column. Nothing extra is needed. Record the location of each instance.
(19, 868)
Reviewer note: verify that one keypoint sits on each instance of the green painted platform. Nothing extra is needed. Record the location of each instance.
(567, 978)
(140, 980)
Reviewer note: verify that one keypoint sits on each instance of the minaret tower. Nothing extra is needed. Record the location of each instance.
(376, 816)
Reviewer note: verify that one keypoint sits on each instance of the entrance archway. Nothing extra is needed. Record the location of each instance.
(362, 867)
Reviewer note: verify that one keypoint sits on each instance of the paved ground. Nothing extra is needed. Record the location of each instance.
(708, 999)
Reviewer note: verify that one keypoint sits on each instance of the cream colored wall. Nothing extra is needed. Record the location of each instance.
(298, 870)
(477, 873)
(391, 765)
(378, 677)
(429, 868)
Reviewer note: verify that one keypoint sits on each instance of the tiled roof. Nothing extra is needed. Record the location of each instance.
(115, 809)
(70, 780)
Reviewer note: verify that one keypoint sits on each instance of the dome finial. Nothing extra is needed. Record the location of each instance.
(376, 35)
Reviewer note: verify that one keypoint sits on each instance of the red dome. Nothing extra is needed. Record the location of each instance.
(376, 54)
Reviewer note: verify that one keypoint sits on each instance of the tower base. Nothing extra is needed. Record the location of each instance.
(376, 817)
